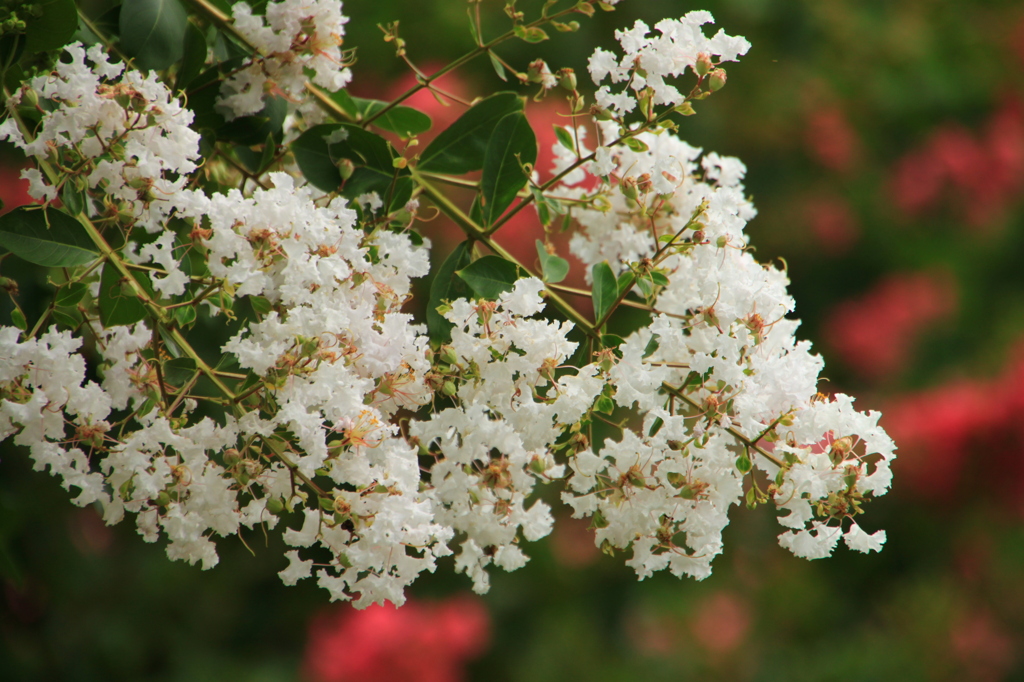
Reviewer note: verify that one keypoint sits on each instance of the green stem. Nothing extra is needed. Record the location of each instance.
(590, 294)
(469, 56)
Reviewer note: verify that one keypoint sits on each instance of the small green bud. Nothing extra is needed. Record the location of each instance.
(449, 388)
(628, 187)
(346, 168)
(567, 79)
(703, 64)
(717, 80)
(449, 355)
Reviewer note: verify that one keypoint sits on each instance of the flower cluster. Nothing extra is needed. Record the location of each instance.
(726, 393)
(123, 136)
(500, 437)
(648, 60)
(331, 411)
(291, 36)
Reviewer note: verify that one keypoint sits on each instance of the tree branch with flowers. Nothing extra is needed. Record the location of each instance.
(202, 174)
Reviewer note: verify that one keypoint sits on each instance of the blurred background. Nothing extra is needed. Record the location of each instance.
(885, 148)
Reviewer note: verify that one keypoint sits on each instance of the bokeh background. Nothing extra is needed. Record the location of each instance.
(885, 148)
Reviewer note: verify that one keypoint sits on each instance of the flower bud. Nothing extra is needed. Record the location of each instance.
(275, 505)
(346, 168)
(567, 79)
(232, 457)
(449, 355)
(628, 187)
(717, 80)
(703, 64)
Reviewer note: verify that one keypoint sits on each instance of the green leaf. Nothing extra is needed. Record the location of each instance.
(491, 276)
(46, 237)
(70, 294)
(71, 319)
(345, 101)
(185, 316)
(655, 427)
(117, 300)
(54, 26)
(269, 150)
(472, 28)
(605, 289)
(498, 68)
(405, 121)
(460, 147)
(565, 138)
(179, 371)
(652, 346)
(73, 197)
(447, 287)
(153, 32)
(533, 34)
(319, 150)
(554, 268)
(18, 319)
(611, 340)
(636, 144)
(744, 464)
(512, 144)
(312, 154)
(261, 305)
(193, 57)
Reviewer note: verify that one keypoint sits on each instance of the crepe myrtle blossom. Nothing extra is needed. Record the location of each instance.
(647, 59)
(333, 415)
(291, 36)
(125, 134)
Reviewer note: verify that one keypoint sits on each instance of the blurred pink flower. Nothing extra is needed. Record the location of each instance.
(13, 189)
(874, 333)
(833, 222)
(419, 642)
(721, 622)
(831, 139)
(964, 438)
(981, 174)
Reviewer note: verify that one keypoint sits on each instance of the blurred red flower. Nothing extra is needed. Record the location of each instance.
(419, 642)
(874, 333)
(982, 174)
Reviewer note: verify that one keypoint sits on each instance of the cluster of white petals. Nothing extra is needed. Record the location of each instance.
(647, 60)
(291, 37)
(338, 416)
(499, 438)
(124, 133)
(722, 384)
